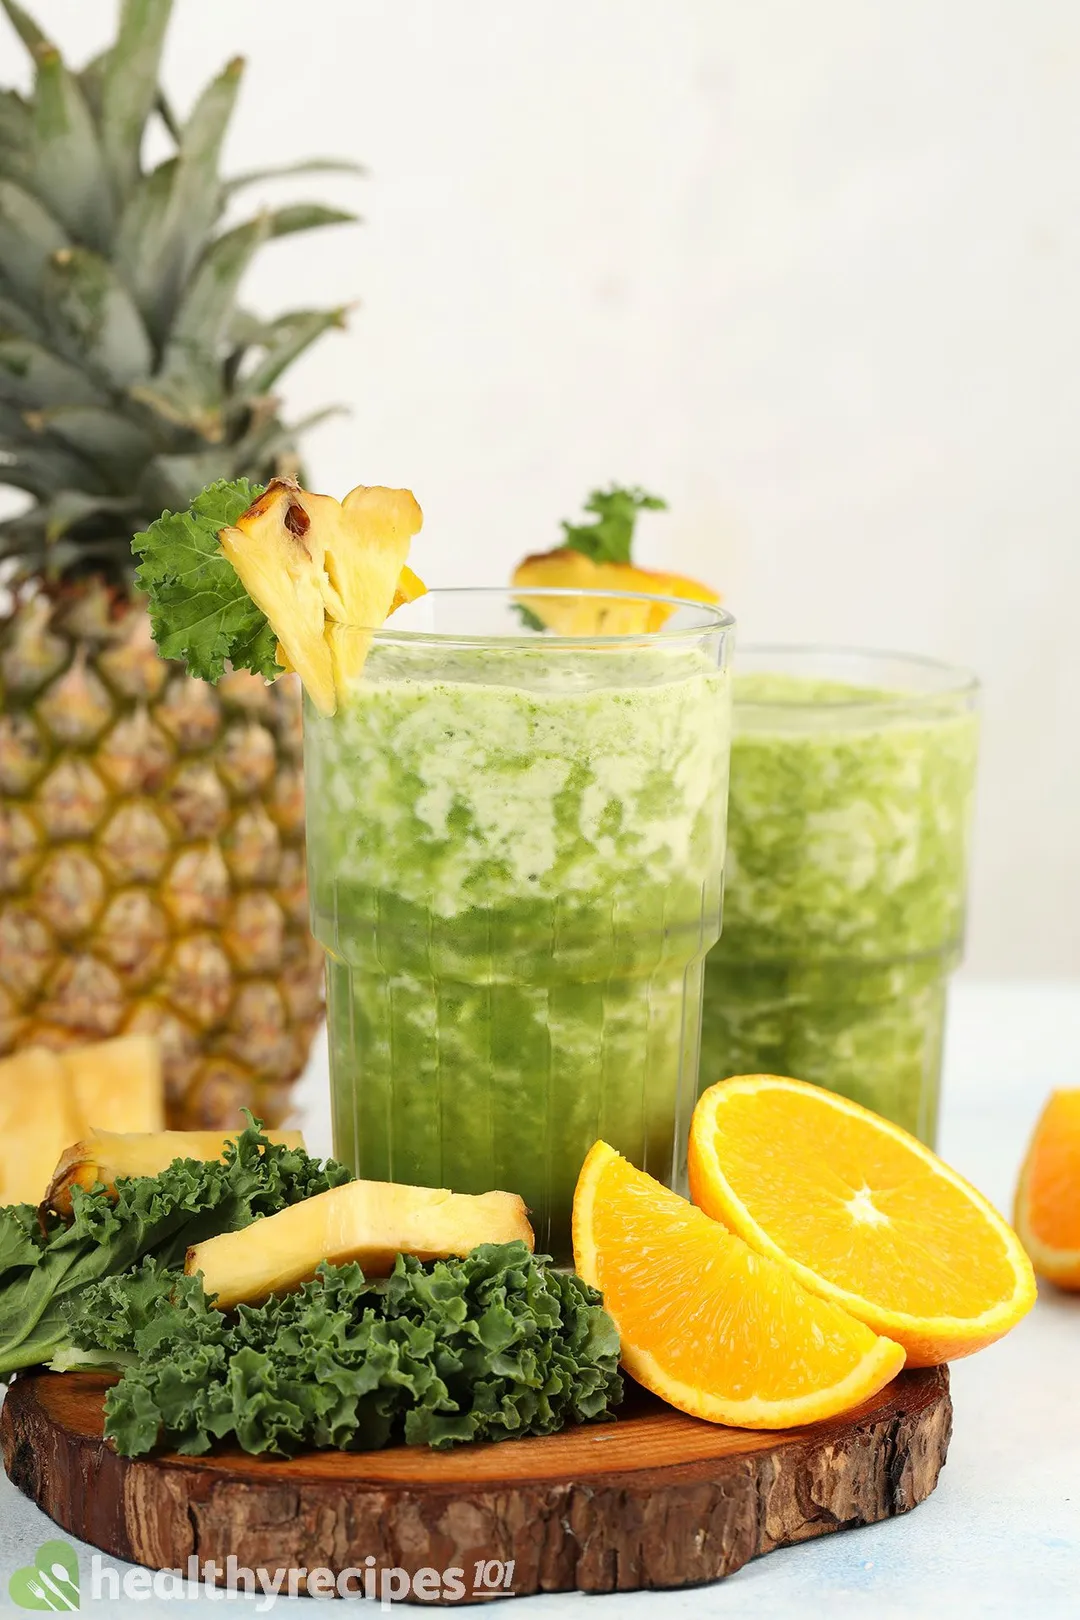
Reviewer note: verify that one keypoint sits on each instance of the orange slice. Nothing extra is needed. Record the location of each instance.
(707, 1324)
(1047, 1210)
(566, 569)
(860, 1212)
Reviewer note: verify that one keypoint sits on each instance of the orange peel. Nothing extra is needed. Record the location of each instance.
(1047, 1210)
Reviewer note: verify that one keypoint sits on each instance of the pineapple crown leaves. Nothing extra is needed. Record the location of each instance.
(129, 375)
(200, 612)
(609, 537)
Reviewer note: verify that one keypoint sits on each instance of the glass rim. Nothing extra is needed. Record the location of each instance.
(957, 681)
(713, 618)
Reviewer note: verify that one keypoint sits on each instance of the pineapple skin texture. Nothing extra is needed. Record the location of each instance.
(151, 858)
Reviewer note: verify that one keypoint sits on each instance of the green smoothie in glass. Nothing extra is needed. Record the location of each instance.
(852, 781)
(515, 847)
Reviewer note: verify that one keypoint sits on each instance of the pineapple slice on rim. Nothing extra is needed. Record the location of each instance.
(324, 571)
(567, 569)
(367, 573)
(409, 587)
(281, 564)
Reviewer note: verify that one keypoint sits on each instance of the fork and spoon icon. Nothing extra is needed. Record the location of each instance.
(56, 1574)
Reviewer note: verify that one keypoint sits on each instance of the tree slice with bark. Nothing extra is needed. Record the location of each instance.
(654, 1500)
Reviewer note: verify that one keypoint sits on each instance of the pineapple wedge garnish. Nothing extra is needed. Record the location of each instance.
(409, 587)
(106, 1155)
(565, 569)
(367, 573)
(325, 572)
(371, 1222)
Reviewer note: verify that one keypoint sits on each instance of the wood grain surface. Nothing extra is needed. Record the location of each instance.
(653, 1500)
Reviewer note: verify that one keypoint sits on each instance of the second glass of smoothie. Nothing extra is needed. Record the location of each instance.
(516, 848)
(852, 783)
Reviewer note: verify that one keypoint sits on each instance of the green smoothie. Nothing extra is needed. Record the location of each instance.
(849, 817)
(516, 866)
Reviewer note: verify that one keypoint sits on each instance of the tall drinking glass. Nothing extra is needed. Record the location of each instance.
(515, 849)
(852, 782)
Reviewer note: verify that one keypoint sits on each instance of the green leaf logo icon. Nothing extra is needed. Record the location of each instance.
(50, 1582)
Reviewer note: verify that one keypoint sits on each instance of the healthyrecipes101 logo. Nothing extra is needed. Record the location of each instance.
(50, 1582)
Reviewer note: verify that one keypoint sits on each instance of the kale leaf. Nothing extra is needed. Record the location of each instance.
(200, 612)
(609, 538)
(43, 1264)
(494, 1346)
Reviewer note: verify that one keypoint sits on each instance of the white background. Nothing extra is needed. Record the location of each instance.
(810, 271)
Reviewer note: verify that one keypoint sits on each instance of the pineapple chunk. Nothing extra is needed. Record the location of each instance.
(324, 572)
(280, 565)
(371, 1222)
(409, 587)
(368, 570)
(106, 1155)
(117, 1085)
(566, 569)
(37, 1119)
(48, 1099)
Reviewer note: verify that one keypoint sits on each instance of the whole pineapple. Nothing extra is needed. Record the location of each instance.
(151, 853)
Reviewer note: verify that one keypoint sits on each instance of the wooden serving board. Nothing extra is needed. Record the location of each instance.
(655, 1499)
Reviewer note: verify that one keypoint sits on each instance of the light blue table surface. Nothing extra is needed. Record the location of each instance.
(1000, 1536)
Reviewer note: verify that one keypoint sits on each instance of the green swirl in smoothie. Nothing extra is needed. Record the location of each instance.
(848, 830)
(516, 870)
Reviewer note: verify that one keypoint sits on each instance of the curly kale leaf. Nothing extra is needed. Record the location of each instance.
(43, 1268)
(491, 1347)
(22, 1240)
(609, 537)
(200, 612)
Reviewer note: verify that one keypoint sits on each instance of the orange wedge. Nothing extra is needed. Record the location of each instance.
(566, 569)
(1047, 1213)
(707, 1324)
(860, 1212)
